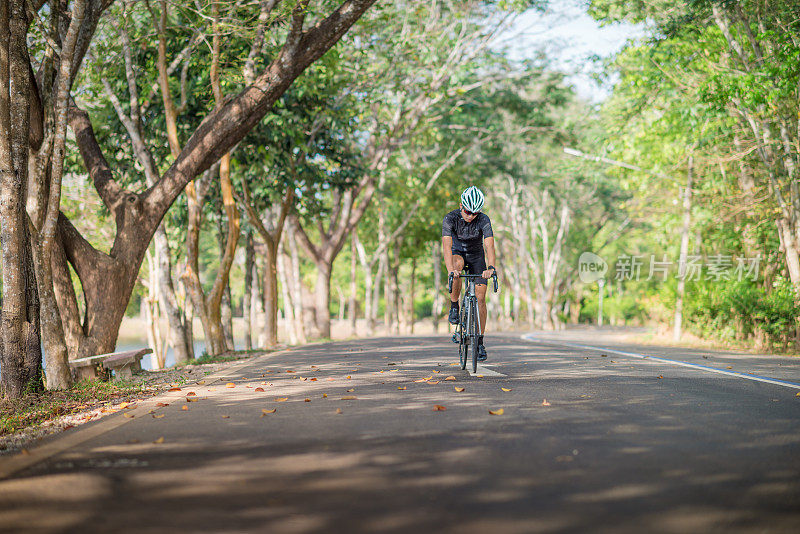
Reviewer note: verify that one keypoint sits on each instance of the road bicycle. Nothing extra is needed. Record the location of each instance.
(468, 328)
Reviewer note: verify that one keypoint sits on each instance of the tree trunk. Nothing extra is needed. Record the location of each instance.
(257, 298)
(248, 290)
(411, 295)
(687, 221)
(19, 340)
(207, 306)
(152, 316)
(303, 311)
(436, 261)
(271, 294)
(353, 285)
(322, 299)
(395, 289)
(225, 304)
(290, 321)
(179, 332)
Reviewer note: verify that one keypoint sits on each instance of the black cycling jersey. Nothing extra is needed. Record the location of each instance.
(467, 236)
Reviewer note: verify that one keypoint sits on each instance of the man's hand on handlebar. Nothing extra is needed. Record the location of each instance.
(488, 273)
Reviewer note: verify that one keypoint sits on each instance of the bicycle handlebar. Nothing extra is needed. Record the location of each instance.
(450, 280)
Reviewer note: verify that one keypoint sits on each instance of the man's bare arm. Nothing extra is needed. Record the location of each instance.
(447, 252)
(488, 248)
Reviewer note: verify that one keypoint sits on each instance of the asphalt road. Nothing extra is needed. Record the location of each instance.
(589, 441)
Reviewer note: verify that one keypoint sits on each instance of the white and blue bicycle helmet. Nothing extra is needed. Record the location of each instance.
(472, 199)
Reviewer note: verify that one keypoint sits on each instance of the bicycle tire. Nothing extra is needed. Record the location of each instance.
(462, 342)
(474, 338)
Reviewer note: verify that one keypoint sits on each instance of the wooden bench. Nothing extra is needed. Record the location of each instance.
(123, 363)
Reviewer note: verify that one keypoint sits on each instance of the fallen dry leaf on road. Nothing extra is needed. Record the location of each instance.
(313, 379)
(192, 399)
(450, 378)
(348, 377)
(351, 389)
(438, 408)
(304, 379)
(435, 371)
(797, 395)
(162, 404)
(226, 416)
(545, 403)
(729, 367)
(191, 394)
(159, 415)
(506, 389)
(479, 376)
(281, 399)
(174, 389)
(453, 364)
(306, 400)
(129, 415)
(660, 376)
(259, 389)
(230, 385)
(159, 440)
(428, 377)
(264, 411)
(338, 410)
(324, 395)
(349, 397)
(123, 405)
(401, 387)
(290, 371)
(459, 389)
(184, 407)
(499, 411)
(201, 382)
(433, 382)
(421, 380)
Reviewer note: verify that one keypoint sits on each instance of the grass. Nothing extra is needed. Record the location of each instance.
(207, 358)
(34, 409)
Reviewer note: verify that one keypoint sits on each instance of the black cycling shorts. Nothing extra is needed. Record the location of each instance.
(474, 263)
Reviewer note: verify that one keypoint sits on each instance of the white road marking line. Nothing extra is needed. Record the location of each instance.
(746, 376)
(485, 371)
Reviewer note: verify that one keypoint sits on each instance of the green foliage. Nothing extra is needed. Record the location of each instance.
(735, 309)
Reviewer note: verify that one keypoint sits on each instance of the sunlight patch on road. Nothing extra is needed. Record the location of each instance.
(485, 371)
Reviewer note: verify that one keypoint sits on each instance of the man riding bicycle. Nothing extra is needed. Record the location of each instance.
(468, 241)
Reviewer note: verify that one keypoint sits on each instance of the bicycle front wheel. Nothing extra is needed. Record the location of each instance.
(462, 342)
(474, 335)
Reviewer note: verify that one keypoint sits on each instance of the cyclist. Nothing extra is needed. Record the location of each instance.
(468, 241)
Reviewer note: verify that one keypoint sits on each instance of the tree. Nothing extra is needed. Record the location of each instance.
(20, 353)
(138, 214)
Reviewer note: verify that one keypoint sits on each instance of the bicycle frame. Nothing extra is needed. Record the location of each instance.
(469, 328)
